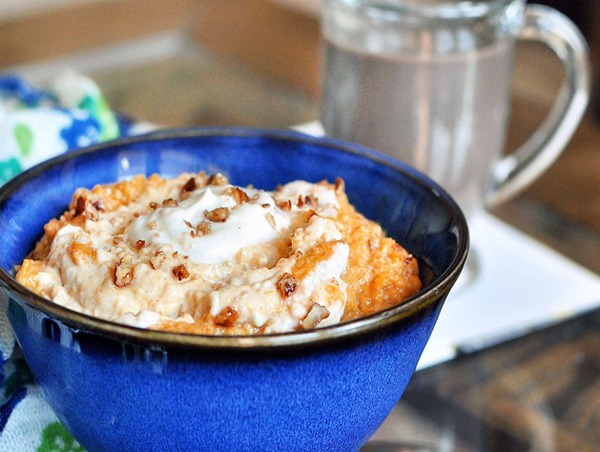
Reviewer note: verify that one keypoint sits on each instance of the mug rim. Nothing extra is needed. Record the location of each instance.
(444, 10)
(379, 320)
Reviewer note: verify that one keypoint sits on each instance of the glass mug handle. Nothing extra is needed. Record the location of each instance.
(518, 170)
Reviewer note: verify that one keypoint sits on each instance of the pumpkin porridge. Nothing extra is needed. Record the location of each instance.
(196, 254)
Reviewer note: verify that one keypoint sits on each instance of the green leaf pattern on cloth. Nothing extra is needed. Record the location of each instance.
(9, 169)
(24, 138)
(99, 108)
(56, 438)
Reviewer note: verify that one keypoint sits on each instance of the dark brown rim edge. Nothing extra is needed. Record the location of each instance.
(409, 307)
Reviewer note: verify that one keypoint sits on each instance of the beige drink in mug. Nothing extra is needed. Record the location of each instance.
(428, 83)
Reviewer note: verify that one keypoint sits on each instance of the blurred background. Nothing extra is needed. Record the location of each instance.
(193, 62)
(176, 63)
(257, 63)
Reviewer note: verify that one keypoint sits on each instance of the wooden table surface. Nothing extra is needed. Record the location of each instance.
(540, 392)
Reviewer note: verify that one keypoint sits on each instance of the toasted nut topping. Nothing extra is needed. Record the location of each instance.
(203, 228)
(140, 244)
(340, 185)
(310, 200)
(152, 225)
(287, 285)
(300, 201)
(123, 272)
(190, 185)
(118, 239)
(227, 317)
(217, 179)
(188, 224)
(203, 179)
(98, 206)
(316, 314)
(271, 220)
(311, 213)
(181, 272)
(82, 208)
(218, 215)
(156, 260)
(169, 203)
(185, 195)
(286, 206)
(153, 205)
(80, 205)
(237, 194)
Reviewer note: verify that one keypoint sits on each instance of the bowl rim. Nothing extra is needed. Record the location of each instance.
(379, 320)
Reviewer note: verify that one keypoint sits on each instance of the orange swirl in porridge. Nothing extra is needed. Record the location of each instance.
(196, 254)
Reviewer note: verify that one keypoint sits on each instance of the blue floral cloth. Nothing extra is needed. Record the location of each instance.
(36, 125)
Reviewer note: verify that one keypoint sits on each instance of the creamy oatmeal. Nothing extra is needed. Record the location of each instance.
(197, 254)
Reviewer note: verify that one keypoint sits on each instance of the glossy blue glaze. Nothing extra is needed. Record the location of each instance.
(134, 394)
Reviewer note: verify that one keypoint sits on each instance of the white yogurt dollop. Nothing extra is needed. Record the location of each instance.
(250, 223)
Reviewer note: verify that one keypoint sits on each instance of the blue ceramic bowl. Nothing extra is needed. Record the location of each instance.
(122, 388)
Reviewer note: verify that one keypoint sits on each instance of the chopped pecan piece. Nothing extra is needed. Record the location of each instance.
(98, 206)
(310, 200)
(271, 220)
(286, 206)
(300, 201)
(185, 195)
(190, 185)
(340, 185)
(203, 228)
(153, 205)
(188, 224)
(140, 244)
(264, 206)
(237, 194)
(217, 179)
(82, 207)
(169, 203)
(227, 317)
(287, 285)
(156, 260)
(316, 314)
(124, 272)
(181, 272)
(218, 215)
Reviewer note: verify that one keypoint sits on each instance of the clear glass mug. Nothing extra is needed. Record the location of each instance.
(428, 82)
